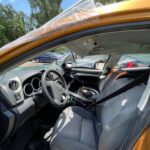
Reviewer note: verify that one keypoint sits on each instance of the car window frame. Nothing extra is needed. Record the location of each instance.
(44, 48)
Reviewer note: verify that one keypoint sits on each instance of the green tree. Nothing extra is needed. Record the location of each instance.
(44, 10)
(12, 24)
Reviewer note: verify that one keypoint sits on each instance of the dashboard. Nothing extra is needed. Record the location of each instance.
(17, 89)
(22, 83)
(21, 96)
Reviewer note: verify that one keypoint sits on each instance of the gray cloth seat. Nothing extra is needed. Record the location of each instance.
(74, 128)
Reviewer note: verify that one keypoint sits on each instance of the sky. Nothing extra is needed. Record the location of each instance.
(23, 5)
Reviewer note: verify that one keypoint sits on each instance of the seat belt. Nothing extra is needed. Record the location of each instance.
(127, 87)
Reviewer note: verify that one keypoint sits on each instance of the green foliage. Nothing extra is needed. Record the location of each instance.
(44, 10)
(12, 24)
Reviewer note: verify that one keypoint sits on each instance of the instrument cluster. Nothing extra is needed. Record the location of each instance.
(32, 86)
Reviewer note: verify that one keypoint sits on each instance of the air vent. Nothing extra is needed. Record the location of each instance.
(13, 85)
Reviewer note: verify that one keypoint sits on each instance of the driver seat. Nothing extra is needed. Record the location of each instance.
(74, 128)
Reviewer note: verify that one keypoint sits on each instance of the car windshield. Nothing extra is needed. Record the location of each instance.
(63, 56)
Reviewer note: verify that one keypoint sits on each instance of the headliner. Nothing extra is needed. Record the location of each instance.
(115, 44)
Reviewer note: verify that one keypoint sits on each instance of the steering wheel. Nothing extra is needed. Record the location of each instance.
(54, 87)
